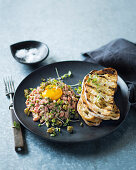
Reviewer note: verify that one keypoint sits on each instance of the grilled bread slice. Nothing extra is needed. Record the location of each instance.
(115, 113)
(99, 89)
(86, 115)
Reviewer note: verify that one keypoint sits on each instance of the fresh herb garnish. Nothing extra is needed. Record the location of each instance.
(94, 80)
(57, 129)
(53, 120)
(89, 78)
(57, 73)
(53, 134)
(66, 122)
(16, 125)
(78, 90)
(81, 124)
(41, 124)
(66, 75)
(63, 76)
(78, 84)
(43, 80)
(98, 97)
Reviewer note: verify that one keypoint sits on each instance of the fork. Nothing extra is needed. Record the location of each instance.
(18, 137)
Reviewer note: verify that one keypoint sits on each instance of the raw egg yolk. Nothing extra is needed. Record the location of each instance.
(52, 91)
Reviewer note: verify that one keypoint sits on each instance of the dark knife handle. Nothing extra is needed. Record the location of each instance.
(18, 137)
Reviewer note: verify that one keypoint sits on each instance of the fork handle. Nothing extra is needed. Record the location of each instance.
(18, 137)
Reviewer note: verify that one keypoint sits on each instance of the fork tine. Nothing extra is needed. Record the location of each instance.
(7, 82)
(6, 90)
(9, 85)
(12, 85)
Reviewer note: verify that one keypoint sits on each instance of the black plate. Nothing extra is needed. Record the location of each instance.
(79, 70)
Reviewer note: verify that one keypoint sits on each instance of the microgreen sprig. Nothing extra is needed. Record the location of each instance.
(63, 76)
(57, 73)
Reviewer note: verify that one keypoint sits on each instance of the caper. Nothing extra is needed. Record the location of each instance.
(65, 107)
(26, 110)
(51, 130)
(26, 92)
(59, 123)
(70, 129)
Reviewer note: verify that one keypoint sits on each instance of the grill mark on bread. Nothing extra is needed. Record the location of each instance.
(96, 96)
(99, 91)
(109, 110)
(112, 88)
(90, 86)
(102, 77)
(90, 109)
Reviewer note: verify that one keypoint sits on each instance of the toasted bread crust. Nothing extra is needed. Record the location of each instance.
(92, 121)
(85, 113)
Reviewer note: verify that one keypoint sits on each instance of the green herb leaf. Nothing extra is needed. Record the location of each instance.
(53, 134)
(61, 102)
(78, 90)
(53, 120)
(57, 129)
(66, 122)
(43, 80)
(69, 73)
(57, 72)
(94, 80)
(16, 125)
(89, 78)
(81, 124)
(66, 75)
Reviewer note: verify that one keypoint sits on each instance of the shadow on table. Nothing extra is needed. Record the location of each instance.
(105, 145)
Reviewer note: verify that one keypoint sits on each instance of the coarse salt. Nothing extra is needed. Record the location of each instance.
(31, 55)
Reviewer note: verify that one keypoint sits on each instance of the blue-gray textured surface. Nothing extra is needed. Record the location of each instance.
(69, 27)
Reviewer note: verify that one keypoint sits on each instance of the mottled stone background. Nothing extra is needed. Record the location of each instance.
(69, 27)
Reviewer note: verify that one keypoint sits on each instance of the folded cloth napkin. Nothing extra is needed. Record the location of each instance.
(121, 55)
